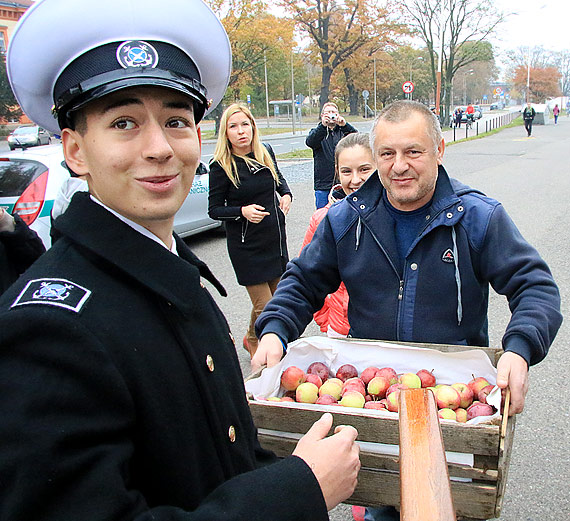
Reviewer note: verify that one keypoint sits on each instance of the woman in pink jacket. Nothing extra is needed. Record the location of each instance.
(353, 166)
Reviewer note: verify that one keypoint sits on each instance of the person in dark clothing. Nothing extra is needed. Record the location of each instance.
(322, 140)
(249, 193)
(528, 116)
(114, 353)
(20, 247)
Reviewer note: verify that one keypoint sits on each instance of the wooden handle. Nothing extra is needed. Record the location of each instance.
(506, 412)
(425, 492)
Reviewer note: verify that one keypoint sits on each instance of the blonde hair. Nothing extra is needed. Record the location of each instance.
(223, 153)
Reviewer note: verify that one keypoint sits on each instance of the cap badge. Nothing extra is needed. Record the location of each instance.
(136, 53)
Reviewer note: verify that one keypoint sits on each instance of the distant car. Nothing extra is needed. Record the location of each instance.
(28, 136)
(31, 179)
(494, 106)
(478, 114)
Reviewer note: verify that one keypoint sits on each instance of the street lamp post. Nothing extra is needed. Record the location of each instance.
(375, 86)
(292, 94)
(465, 73)
(266, 88)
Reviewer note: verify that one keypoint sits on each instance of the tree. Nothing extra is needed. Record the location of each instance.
(9, 107)
(544, 82)
(338, 29)
(460, 28)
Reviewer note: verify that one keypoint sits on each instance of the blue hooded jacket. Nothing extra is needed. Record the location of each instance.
(440, 292)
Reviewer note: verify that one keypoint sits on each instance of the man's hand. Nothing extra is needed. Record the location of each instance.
(254, 213)
(285, 203)
(340, 121)
(334, 460)
(269, 352)
(512, 372)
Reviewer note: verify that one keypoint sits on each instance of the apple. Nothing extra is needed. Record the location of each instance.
(326, 399)
(426, 377)
(368, 374)
(483, 393)
(447, 414)
(292, 377)
(352, 399)
(319, 369)
(314, 379)
(477, 384)
(336, 380)
(465, 393)
(479, 409)
(411, 380)
(273, 399)
(384, 402)
(375, 405)
(461, 415)
(287, 399)
(332, 387)
(388, 373)
(354, 384)
(346, 371)
(447, 397)
(368, 398)
(394, 387)
(307, 393)
(378, 386)
(392, 400)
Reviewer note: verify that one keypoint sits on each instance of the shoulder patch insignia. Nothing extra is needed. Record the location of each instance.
(53, 292)
(448, 256)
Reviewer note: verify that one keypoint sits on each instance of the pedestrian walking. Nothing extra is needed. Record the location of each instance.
(528, 117)
(322, 140)
(249, 193)
(556, 112)
(114, 353)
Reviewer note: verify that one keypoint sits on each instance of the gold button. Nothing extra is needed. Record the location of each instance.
(210, 363)
(232, 433)
(233, 339)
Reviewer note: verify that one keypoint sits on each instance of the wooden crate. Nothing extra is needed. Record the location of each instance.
(477, 492)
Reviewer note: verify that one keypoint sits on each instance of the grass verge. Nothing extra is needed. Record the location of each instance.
(304, 153)
(264, 131)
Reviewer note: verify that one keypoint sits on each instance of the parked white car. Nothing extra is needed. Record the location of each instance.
(30, 180)
(28, 136)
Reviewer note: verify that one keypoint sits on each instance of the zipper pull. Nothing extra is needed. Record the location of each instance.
(401, 290)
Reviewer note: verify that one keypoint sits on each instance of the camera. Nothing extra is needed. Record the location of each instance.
(332, 117)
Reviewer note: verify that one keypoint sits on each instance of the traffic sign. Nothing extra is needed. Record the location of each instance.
(408, 87)
(498, 91)
(365, 94)
(249, 98)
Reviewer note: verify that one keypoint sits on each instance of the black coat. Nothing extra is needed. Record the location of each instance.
(323, 141)
(18, 251)
(258, 252)
(119, 386)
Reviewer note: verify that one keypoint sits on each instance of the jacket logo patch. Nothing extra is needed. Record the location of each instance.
(448, 256)
(53, 292)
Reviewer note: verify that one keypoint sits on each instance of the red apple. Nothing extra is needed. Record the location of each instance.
(368, 374)
(375, 405)
(287, 399)
(346, 371)
(394, 387)
(319, 369)
(483, 393)
(314, 379)
(426, 377)
(388, 373)
(447, 397)
(465, 393)
(326, 399)
(392, 400)
(292, 377)
(307, 393)
(354, 384)
(479, 409)
(378, 386)
(477, 384)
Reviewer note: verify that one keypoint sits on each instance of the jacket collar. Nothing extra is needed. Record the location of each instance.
(105, 236)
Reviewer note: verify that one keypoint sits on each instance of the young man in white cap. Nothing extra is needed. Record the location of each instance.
(121, 395)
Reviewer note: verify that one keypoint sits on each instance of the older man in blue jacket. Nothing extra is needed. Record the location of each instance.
(417, 252)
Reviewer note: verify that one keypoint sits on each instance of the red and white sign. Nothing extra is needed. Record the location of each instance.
(408, 87)
(498, 91)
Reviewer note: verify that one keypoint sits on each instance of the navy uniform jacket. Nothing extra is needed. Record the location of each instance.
(121, 395)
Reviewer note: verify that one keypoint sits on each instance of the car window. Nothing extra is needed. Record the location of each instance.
(17, 174)
(21, 131)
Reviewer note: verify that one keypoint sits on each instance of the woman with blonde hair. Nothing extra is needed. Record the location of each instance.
(248, 193)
